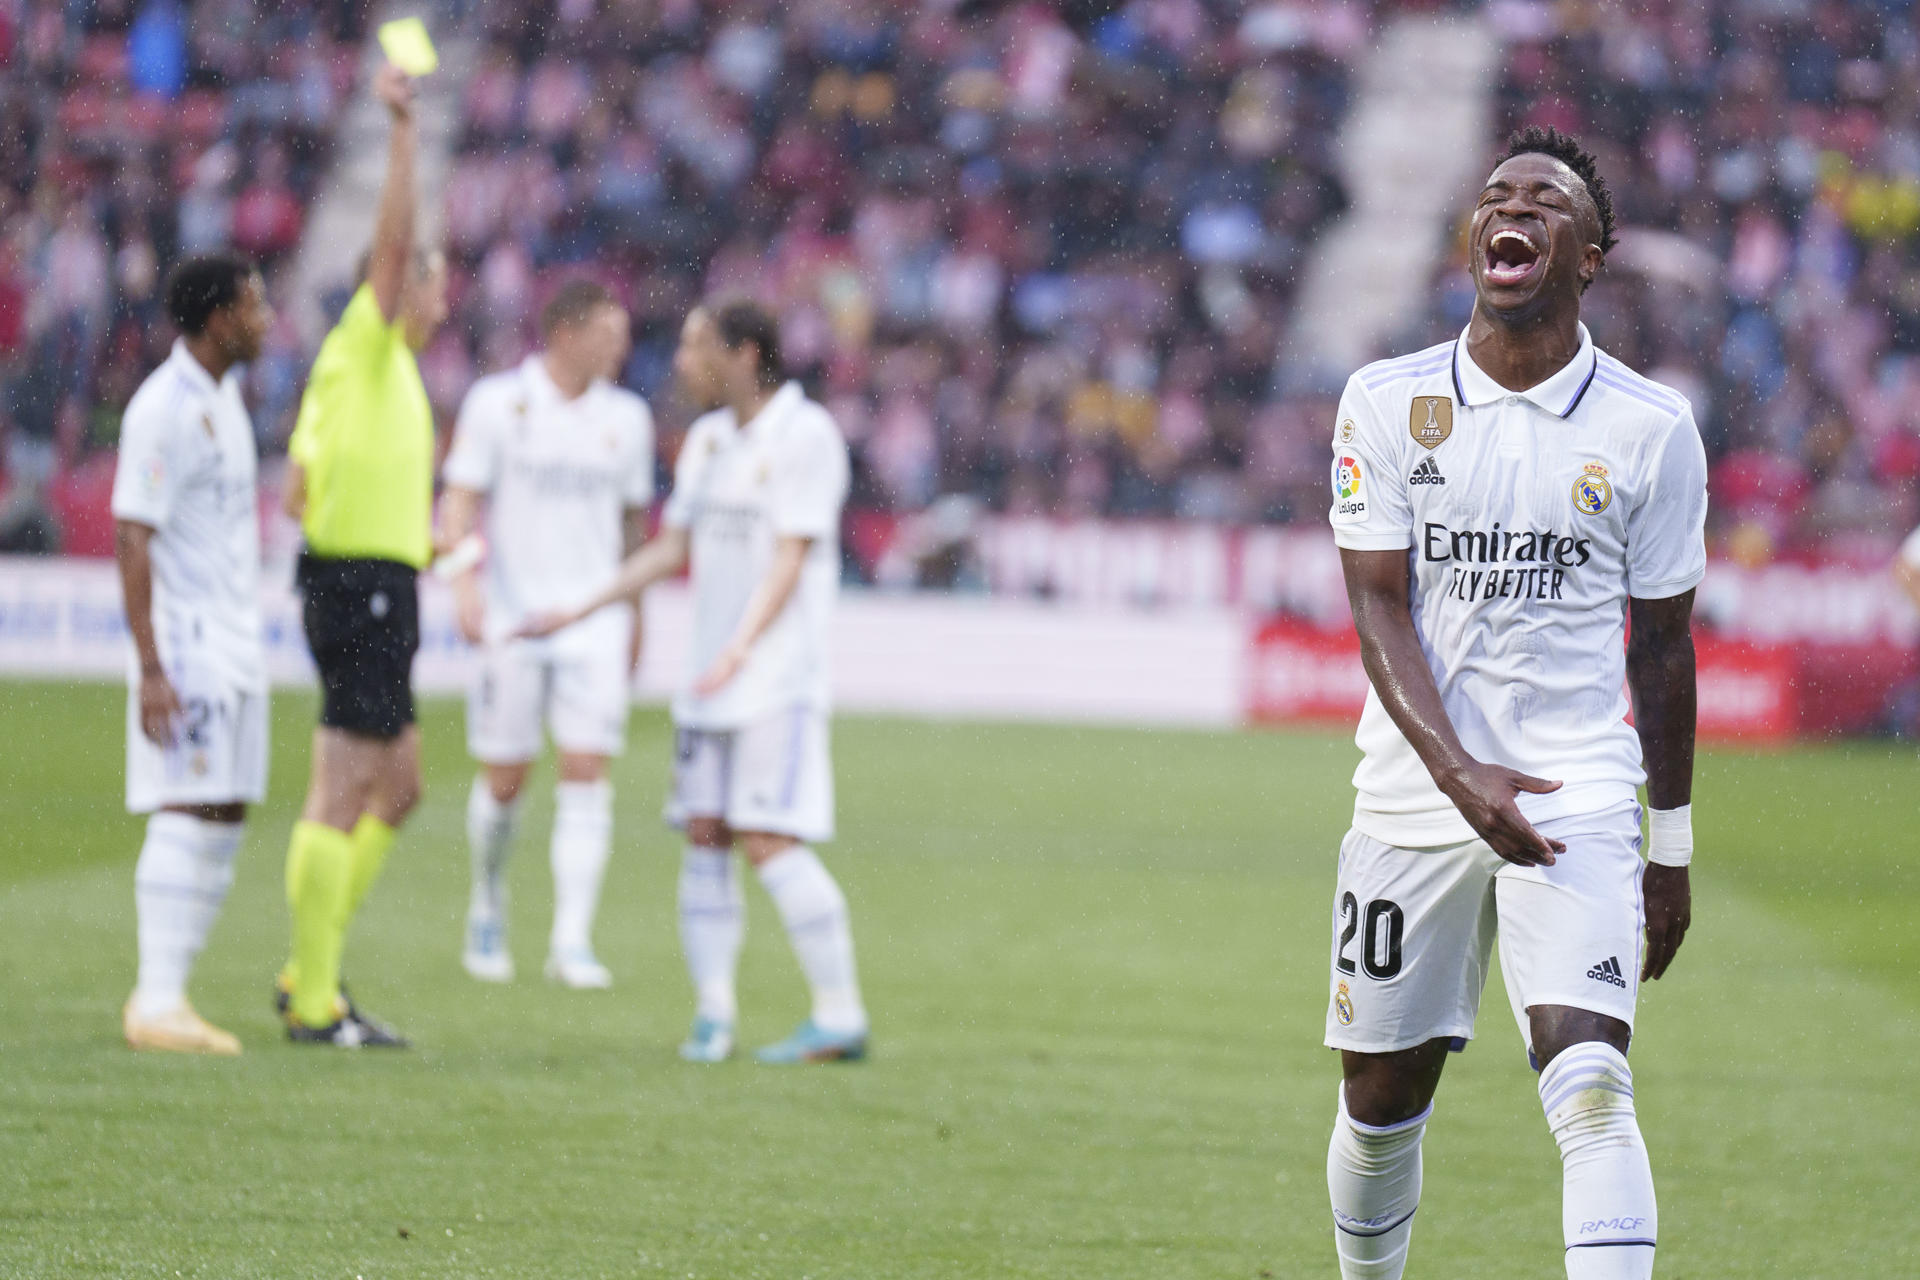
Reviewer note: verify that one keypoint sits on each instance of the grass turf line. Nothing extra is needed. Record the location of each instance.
(1096, 961)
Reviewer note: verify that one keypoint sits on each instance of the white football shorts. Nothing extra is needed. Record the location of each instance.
(577, 693)
(774, 775)
(1413, 930)
(219, 750)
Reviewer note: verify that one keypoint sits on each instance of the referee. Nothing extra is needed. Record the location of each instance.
(360, 480)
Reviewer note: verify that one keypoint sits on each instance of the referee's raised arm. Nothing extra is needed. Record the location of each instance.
(393, 220)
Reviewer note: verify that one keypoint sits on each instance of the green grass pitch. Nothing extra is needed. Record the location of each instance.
(1095, 960)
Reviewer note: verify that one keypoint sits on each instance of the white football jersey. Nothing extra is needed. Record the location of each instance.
(1528, 520)
(737, 490)
(187, 470)
(559, 476)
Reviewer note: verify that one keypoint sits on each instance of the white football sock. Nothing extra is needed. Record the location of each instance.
(490, 828)
(1373, 1179)
(182, 878)
(582, 836)
(1607, 1206)
(713, 920)
(815, 913)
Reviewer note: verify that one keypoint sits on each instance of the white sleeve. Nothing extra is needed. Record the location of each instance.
(149, 472)
(1370, 510)
(1910, 550)
(473, 459)
(638, 491)
(678, 511)
(810, 484)
(1667, 528)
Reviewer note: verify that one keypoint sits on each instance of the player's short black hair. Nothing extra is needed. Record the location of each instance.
(201, 285)
(741, 321)
(573, 302)
(1564, 147)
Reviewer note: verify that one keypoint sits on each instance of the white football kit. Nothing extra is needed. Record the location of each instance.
(1528, 520)
(187, 469)
(756, 752)
(559, 476)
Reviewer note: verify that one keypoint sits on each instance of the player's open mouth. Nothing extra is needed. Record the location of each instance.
(1511, 257)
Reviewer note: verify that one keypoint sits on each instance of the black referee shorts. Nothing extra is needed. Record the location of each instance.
(362, 619)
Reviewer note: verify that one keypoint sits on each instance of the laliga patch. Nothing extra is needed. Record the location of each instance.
(1592, 493)
(1430, 421)
(1349, 490)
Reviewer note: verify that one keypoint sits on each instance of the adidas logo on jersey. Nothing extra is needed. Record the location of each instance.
(1608, 970)
(1426, 473)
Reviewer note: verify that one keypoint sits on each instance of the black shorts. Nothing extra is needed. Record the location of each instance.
(362, 619)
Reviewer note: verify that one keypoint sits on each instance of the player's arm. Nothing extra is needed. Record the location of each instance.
(769, 598)
(1907, 574)
(459, 517)
(394, 217)
(633, 531)
(1660, 678)
(293, 491)
(159, 704)
(1379, 588)
(661, 558)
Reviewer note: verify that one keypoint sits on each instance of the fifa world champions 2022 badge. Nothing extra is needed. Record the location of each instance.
(1592, 492)
(1430, 421)
(1343, 1005)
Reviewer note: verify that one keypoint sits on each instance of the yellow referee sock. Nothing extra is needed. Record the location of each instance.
(319, 881)
(372, 838)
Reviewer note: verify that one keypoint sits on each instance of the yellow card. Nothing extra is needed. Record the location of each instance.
(408, 46)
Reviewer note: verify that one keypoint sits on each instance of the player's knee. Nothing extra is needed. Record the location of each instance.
(575, 766)
(709, 833)
(505, 782)
(764, 846)
(1587, 1095)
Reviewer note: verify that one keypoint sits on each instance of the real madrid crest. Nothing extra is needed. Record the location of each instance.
(1343, 1006)
(1592, 492)
(1430, 421)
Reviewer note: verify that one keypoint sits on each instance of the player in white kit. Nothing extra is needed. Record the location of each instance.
(755, 512)
(561, 460)
(1504, 505)
(187, 536)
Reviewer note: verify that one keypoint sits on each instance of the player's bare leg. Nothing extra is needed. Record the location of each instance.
(1608, 1212)
(1373, 1161)
(180, 883)
(493, 813)
(814, 912)
(713, 921)
(582, 840)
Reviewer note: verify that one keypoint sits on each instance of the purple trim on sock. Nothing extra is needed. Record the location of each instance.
(1368, 1235)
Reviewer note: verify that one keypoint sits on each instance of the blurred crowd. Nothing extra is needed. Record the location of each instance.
(1765, 162)
(1037, 258)
(132, 133)
(1037, 254)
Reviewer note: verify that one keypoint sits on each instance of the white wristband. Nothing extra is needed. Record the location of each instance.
(1670, 836)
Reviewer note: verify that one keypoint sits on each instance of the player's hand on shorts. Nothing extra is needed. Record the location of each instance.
(724, 668)
(159, 707)
(1668, 894)
(1484, 794)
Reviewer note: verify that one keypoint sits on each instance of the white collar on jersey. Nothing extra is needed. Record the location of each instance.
(194, 371)
(540, 381)
(778, 406)
(1559, 395)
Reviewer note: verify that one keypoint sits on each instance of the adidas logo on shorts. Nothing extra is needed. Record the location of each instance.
(1608, 970)
(1428, 472)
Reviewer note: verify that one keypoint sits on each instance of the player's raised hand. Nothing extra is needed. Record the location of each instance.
(1668, 893)
(1484, 794)
(394, 88)
(159, 707)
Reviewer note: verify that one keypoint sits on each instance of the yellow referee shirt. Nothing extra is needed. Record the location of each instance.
(365, 440)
